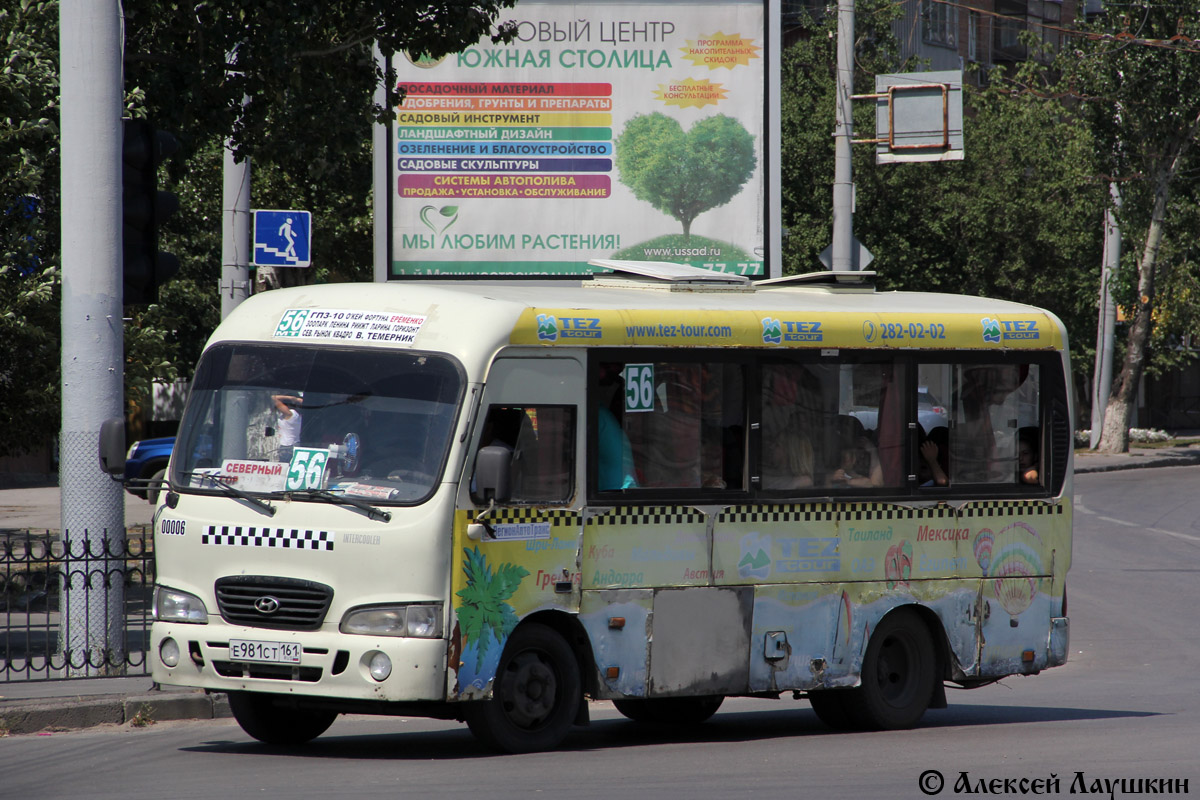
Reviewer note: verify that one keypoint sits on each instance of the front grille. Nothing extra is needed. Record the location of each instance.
(260, 601)
(267, 672)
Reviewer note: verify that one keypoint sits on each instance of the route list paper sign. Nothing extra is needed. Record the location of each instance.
(606, 130)
(349, 325)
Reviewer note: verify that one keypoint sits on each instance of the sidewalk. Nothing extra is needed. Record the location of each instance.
(52, 706)
(1137, 458)
(48, 706)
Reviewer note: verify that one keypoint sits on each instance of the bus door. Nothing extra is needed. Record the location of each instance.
(668, 432)
(519, 556)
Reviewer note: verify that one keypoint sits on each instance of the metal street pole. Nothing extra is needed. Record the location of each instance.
(93, 508)
(843, 184)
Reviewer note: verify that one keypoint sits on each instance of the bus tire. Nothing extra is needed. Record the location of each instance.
(830, 707)
(155, 486)
(670, 710)
(261, 718)
(899, 673)
(535, 697)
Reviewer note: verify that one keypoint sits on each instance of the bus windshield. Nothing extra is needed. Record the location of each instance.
(276, 419)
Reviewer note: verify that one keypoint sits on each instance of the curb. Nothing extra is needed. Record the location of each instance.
(1138, 463)
(49, 716)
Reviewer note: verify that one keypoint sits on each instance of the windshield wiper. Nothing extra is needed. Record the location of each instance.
(341, 499)
(230, 490)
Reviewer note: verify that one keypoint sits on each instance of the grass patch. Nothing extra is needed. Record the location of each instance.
(144, 718)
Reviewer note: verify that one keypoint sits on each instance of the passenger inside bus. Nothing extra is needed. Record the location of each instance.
(978, 456)
(1027, 455)
(932, 467)
(287, 423)
(615, 463)
(859, 466)
(787, 452)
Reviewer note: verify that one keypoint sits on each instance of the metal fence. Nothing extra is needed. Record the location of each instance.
(74, 608)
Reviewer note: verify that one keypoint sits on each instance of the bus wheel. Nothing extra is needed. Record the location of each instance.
(535, 696)
(830, 707)
(898, 675)
(261, 718)
(670, 710)
(155, 487)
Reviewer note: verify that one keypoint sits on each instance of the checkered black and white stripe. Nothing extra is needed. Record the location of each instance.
(812, 512)
(1018, 509)
(505, 516)
(283, 538)
(651, 515)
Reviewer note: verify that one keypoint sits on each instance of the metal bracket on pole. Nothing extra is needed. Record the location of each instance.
(890, 94)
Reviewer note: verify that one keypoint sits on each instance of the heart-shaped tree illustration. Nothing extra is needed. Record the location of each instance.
(685, 173)
(448, 213)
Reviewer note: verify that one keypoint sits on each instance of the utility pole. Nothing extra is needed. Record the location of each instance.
(235, 225)
(1102, 374)
(235, 232)
(843, 184)
(93, 508)
(381, 221)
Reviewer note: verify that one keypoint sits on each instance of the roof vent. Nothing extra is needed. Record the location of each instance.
(670, 272)
(846, 278)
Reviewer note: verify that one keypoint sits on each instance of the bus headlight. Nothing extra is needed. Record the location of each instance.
(379, 666)
(168, 651)
(172, 605)
(412, 621)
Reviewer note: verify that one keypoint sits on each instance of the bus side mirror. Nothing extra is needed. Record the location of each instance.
(493, 473)
(112, 446)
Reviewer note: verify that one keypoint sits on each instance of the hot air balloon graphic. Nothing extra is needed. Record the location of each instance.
(1016, 568)
(983, 548)
(1023, 526)
(845, 625)
(897, 565)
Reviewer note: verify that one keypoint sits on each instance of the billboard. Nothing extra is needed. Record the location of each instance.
(613, 130)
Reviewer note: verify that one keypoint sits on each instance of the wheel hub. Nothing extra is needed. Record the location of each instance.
(531, 689)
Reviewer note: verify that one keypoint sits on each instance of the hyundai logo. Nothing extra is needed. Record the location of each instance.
(267, 604)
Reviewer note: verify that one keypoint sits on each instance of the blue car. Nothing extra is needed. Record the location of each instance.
(147, 460)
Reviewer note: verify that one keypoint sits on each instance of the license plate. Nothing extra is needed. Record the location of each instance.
(269, 652)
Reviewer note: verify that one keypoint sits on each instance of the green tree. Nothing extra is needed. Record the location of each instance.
(1134, 79)
(29, 234)
(684, 174)
(1018, 218)
(299, 99)
(309, 74)
(291, 81)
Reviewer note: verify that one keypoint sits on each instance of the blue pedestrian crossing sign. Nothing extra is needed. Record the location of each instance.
(282, 238)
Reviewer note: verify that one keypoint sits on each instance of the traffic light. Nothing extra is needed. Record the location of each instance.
(145, 208)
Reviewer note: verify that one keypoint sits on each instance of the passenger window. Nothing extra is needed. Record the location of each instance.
(870, 427)
(670, 425)
(795, 418)
(542, 442)
(832, 426)
(993, 434)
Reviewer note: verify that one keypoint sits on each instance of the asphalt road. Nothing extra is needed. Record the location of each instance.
(1124, 707)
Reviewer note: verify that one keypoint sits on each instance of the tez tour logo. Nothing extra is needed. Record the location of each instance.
(991, 330)
(772, 332)
(547, 327)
